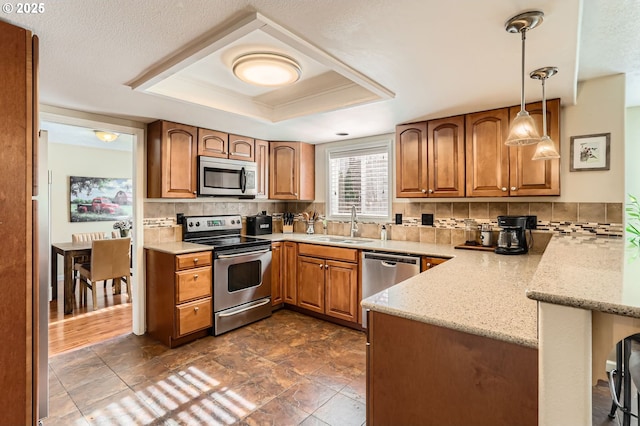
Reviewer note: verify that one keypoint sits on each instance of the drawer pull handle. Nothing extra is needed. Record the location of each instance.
(195, 276)
(196, 309)
(195, 260)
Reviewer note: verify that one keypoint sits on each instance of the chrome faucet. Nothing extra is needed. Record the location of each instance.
(354, 222)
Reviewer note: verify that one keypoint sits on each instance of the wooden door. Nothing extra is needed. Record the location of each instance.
(171, 160)
(487, 157)
(242, 148)
(445, 158)
(529, 177)
(213, 143)
(276, 273)
(284, 160)
(262, 163)
(311, 283)
(411, 160)
(289, 276)
(341, 286)
(18, 322)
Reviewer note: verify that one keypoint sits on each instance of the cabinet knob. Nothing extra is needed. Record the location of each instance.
(424, 191)
(326, 266)
(504, 189)
(196, 309)
(195, 192)
(195, 260)
(195, 276)
(430, 191)
(321, 266)
(428, 265)
(513, 188)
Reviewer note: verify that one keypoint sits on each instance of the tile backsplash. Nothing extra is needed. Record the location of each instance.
(586, 218)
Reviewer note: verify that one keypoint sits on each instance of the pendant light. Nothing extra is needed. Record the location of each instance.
(522, 130)
(546, 149)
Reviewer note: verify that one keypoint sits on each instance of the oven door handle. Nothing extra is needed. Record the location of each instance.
(249, 253)
(246, 308)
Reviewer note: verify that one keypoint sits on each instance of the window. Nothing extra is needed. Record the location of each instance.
(359, 176)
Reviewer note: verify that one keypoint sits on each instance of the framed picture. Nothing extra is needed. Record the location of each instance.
(590, 152)
(93, 199)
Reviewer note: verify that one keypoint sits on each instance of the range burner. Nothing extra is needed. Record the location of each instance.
(222, 232)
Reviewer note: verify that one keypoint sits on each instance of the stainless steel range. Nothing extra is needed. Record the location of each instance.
(241, 270)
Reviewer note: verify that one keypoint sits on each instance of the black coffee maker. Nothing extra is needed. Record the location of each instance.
(512, 238)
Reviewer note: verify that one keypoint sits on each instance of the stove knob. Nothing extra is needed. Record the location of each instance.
(233, 221)
(190, 224)
(197, 223)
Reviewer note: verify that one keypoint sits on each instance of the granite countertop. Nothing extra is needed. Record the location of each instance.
(177, 247)
(595, 273)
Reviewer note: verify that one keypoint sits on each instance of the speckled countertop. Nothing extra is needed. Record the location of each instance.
(177, 247)
(594, 273)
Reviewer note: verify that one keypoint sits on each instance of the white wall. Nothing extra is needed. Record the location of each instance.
(69, 160)
(600, 108)
(632, 152)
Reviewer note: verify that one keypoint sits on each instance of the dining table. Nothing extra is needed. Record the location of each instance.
(69, 251)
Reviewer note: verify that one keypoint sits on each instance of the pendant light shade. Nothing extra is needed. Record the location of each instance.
(522, 130)
(546, 149)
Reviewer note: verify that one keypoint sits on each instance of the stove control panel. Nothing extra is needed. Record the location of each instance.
(212, 223)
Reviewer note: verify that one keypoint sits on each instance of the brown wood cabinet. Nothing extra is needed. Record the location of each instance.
(276, 273)
(171, 160)
(430, 159)
(178, 289)
(289, 276)
(419, 373)
(529, 177)
(262, 163)
(428, 262)
(291, 171)
(213, 143)
(487, 156)
(19, 315)
(328, 280)
(242, 148)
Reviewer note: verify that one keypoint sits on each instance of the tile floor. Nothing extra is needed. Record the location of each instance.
(289, 369)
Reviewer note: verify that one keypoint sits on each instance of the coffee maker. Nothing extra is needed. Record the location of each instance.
(512, 238)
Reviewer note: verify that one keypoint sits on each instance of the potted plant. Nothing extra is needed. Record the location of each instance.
(633, 221)
(124, 226)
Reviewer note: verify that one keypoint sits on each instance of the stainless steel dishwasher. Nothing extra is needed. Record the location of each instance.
(382, 270)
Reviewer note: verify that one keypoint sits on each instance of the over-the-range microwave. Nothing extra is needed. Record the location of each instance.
(224, 177)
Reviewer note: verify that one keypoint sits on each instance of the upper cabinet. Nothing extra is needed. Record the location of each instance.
(242, 148)
(212, 143)
(430, 159)
(536, 177)
(171, 160)
(487, 155)
(291, 171)
(262, 163)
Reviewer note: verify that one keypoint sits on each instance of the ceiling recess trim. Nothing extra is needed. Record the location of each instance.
(167, 77)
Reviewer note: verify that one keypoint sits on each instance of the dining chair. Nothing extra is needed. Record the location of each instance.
(81, 237)
(109, 260)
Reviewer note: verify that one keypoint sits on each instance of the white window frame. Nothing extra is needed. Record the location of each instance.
(357, 149)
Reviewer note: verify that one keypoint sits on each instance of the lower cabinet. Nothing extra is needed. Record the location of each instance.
(289, 280)
(328, 281)
(419, 373)
(178, 289)
(429, 262)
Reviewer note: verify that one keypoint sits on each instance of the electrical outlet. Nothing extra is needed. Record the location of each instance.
(532, 222)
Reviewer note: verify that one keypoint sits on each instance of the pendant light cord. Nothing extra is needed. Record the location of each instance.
(524, 37)
(544, 110)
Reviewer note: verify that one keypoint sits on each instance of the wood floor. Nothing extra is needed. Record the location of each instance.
(86, 326)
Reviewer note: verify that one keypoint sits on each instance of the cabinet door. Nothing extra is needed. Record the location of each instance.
(536, 177)
(213, 143)
(311, 283)
(487, 156)
(262, 163)
(284, 159)
(242, 148)
(431, 262)
(171, 160)
(341, 286)
(276, 273)
(445, 158)
(289, 277)
(411, 160)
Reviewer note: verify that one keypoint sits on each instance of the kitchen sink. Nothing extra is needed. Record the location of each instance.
(341, 240)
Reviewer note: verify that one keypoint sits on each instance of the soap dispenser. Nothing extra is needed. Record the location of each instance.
(383, 233)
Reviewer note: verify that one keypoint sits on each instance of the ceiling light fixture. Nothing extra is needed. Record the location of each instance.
(266, 69)
(106, 136)
(546, 149)
(523, 129)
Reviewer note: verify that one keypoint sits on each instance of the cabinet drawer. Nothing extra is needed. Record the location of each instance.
(328, 252)
(193, 316)
(193, 260)
(193, 284)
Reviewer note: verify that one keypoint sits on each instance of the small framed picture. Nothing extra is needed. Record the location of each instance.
(590, 152)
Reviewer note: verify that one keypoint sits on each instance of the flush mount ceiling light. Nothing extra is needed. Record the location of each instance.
(523, 129)
(106, 136)
(266, 69)
(546, 149)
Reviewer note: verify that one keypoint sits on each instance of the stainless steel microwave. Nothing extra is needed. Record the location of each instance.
(223, 177)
